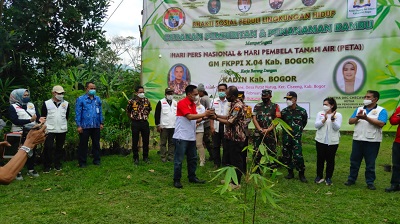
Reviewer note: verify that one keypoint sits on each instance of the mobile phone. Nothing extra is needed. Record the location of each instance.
(15, 141)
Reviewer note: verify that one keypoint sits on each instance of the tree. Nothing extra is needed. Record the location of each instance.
(46, 32)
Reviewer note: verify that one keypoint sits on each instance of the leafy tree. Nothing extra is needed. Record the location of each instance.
(41, 35)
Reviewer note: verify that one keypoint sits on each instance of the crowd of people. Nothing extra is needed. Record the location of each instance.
(187, 126)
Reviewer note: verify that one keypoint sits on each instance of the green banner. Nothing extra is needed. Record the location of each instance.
(313, 47)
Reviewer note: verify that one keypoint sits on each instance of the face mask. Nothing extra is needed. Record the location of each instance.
(367, 102)
(222, 94)
(289, 103)
(141, 95)
(325, 108)
(169, 97)
(196, 98)
(265, 100)
(92, 92)
(59, 97)
(26, 100)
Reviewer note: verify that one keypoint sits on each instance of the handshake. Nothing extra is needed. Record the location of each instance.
(210, 114)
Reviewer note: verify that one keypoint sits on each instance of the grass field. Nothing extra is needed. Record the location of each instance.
(118, 192)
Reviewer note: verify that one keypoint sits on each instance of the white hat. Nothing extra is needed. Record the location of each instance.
(58, 89)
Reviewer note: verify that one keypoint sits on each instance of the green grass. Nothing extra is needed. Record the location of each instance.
(106, 194)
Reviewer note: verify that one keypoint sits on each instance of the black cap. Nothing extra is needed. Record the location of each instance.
(265, 92)
(290, 95)
(169, 90)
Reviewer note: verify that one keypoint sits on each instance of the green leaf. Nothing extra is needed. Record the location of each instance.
(154, 19)
(144, 43)
(381, 17)
(395, 63)
(391, 2)
(163, 27)
(389, 81)
(219, 172)
(389, 93)
(389, 105)
(378, 11)
(232, 172)
(382, 2)
(170, 2)
(152, 85)
(397, 50)
(154, 95)
(147, 70)
(160, 19)
(159, 31)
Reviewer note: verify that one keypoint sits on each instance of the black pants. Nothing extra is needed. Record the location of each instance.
(207, 141)
(94, 134)
(143, 128)
(53, 154)
(326, 153)
(234, 156)
(218, 139)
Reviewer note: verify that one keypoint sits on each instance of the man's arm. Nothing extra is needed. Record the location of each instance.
(197, 116)
(395, 118)
(380, 122)
(44, 110)
(14, 117)
(157, 113)
(353, 119)
(11, 169)
(78, 112)
(67, 114)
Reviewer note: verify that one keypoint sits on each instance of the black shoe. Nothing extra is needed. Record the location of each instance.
(136, 162)
(96, 163)
(303, 179)
(197, 181)
(178, 184)
(393, 188)
(146, 160)
(349, 183)
(83, 165)
(371, 187)
(46, 170)
(290, 175)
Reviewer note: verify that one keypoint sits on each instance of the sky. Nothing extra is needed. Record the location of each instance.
(126, 19)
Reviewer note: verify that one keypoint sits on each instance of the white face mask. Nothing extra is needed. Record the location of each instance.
(59, 97)
(141, 95)
(289, 103)
(367, 102)
(196, 98)
(169, 97)
(325, 108)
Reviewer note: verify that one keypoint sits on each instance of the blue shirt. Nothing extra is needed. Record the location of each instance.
(88, 112)
(383, 115)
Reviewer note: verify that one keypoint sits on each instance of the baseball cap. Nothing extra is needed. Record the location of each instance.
(58, 89)
(265, 92)
(169, 90)
(200, 87)
(290, 95)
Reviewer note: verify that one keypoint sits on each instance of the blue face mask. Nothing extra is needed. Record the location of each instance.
(26, 99)
(92, 92)
(221, 94)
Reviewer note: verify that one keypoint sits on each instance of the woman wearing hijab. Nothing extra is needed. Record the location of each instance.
(351, 83)
(24, 115)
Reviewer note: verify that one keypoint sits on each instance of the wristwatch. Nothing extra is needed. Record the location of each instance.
(28, 151)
